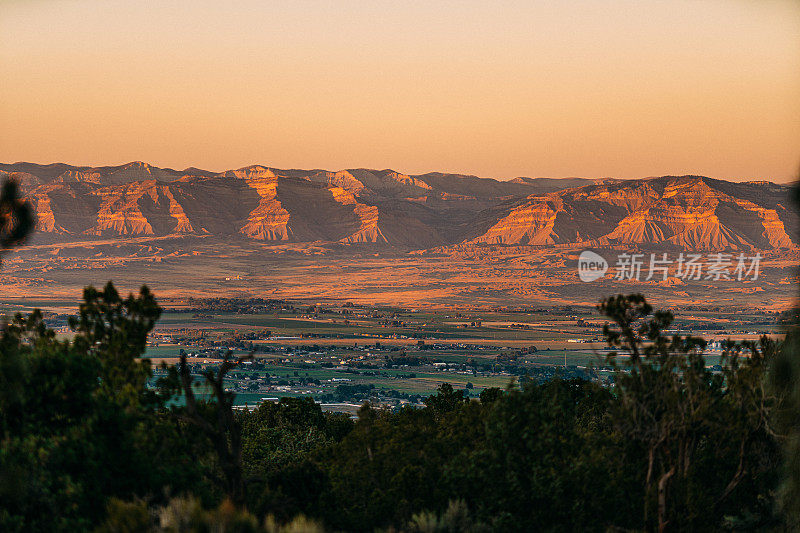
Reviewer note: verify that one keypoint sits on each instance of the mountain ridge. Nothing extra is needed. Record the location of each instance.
(390, 208)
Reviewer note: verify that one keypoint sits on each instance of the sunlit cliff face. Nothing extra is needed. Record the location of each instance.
(689, 212)
(357, 206)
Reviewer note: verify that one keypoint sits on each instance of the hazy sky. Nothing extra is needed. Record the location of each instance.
(618, 88)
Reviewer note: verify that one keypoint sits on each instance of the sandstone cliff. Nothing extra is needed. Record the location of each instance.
(394, 209)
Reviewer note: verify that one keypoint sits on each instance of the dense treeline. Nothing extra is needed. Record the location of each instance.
(88, 445)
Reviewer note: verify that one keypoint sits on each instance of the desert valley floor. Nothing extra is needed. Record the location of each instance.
(457, 276)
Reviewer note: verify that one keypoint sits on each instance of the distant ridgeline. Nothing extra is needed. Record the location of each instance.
(403, 211)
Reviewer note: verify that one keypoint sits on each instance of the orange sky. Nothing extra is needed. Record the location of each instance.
(620, 88)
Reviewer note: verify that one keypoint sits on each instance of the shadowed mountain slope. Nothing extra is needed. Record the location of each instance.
(407, 211)
(690, 212)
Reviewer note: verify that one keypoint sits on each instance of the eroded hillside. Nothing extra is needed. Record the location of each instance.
(403, 211)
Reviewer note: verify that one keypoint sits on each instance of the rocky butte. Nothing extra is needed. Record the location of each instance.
(404, 211)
